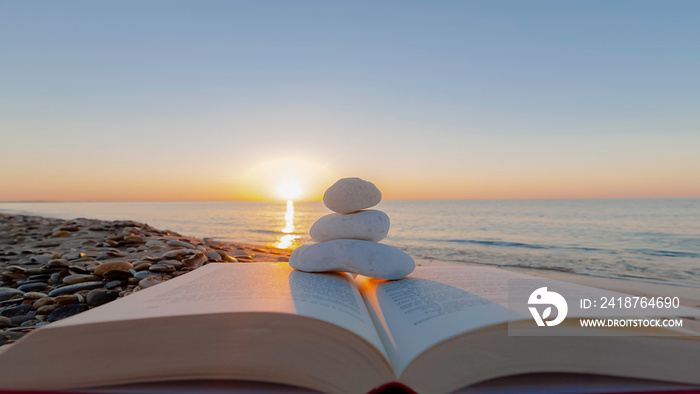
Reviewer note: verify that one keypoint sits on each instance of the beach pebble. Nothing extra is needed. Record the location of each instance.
(141, 266)
(226, 257)
(361, 257)
(16, 268)
(350, 195)
(7, 292)
(116, 275)
(154, 243)
(178, 253)
(46, 309)
(19, 320)
(148, 282)
(70, 289)
(78, 278)
(66, 311)
(134, 239)
(99, 297)
(16, 310)
(370, 225)
(34, 286)
(34, 295)
(43, 277)
(180, 244)
(30, 323)
(144, 274)
(67, 299)
(13, 276)
(74, 269)
(113, 284)
(213, 256)
(174, 263)
(113, 266)
(42, 302)
(72, 255)
(195, 261)
(163, 268)
(56, 277)
(58, 263)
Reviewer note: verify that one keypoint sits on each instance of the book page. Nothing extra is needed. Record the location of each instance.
(231, 288)
(436, 303)
(433, 304)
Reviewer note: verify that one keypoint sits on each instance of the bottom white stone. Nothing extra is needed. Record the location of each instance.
(351, 255)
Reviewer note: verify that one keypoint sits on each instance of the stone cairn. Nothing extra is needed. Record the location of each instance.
(348, 239)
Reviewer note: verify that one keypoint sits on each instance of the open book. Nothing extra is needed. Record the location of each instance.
(440, 329)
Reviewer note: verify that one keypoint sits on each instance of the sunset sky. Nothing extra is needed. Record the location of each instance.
(224, 100)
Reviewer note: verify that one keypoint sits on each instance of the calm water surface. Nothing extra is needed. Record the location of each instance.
(652, 240)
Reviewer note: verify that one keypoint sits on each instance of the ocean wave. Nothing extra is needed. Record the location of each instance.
(275, 232)
(602, 273)
(513, 265)
(665, 253)
(502, 244)
(506, 244)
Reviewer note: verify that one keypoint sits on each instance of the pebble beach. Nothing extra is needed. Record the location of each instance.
(52, 268)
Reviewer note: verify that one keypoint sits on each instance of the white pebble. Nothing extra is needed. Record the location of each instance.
(350, 255)
(369, 225)
(350, 195)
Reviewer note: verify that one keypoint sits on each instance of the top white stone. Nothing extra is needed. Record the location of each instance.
(351, 195)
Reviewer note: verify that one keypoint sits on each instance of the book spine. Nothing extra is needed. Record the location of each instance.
(392, 387)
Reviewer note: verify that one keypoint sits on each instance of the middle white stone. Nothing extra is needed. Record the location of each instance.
(369, 225)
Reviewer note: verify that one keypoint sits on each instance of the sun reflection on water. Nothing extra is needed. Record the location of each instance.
(286, 241)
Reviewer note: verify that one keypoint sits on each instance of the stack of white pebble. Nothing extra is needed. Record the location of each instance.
(348, 239)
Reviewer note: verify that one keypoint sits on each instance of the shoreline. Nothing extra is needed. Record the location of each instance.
(613, 250)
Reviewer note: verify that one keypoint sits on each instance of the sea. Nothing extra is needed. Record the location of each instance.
(646, 240)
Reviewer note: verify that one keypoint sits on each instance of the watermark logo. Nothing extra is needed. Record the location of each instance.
(543, 297)
(589, 311)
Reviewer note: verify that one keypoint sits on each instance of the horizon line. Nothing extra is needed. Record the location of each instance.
(312, 200)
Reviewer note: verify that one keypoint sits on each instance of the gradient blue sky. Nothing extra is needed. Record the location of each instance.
(216, 100)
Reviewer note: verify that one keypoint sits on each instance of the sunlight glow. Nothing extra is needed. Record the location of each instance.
(289, 218)
(286, 241)
(263, 178)
(289, 189)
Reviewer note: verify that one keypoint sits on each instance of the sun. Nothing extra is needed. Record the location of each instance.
(289, 189)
